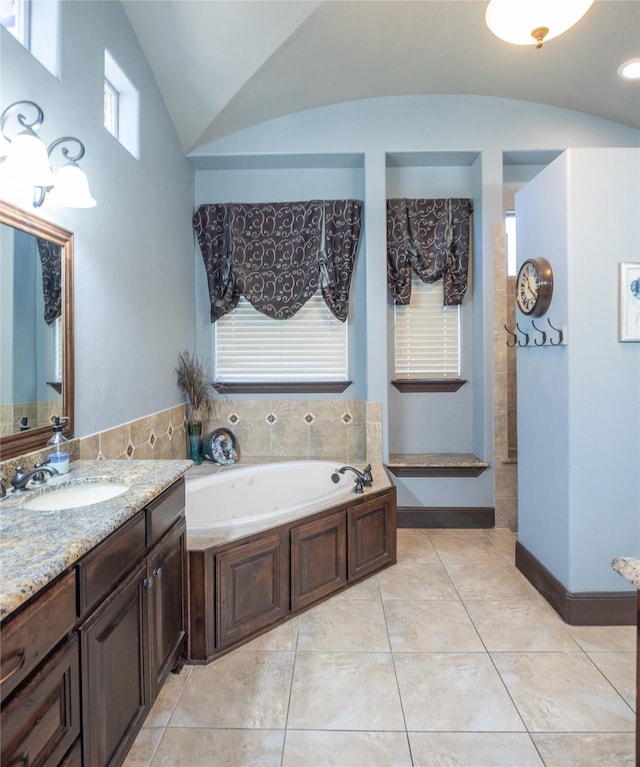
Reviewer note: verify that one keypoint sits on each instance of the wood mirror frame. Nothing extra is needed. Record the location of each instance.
(36, 438)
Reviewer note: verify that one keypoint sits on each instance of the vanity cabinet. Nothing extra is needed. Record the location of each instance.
(83, 661)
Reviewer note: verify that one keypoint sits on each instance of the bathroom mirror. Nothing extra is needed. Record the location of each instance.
(36, 330)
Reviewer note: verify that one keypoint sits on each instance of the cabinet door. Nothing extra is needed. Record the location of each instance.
(114, 662)
(252, 583)
(371, 535)
(166, 574)
(42, 720)
(318, 559)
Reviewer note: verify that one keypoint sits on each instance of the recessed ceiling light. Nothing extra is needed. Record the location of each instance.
(630, 70)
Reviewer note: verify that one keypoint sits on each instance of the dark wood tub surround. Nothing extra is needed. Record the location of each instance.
(242, 588)
(584, 608)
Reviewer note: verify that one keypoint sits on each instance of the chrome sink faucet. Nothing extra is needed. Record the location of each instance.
(20, 480)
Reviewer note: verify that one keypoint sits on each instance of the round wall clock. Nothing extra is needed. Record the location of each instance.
(534, 287)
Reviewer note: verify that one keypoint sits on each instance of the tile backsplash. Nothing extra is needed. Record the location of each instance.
(348, 429)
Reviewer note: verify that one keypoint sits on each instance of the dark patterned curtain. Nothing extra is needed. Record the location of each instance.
(432, 238)
(51, 260)
(277, 254)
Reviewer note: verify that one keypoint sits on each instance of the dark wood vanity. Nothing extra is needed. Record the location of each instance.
(84, 659)
(244, 587)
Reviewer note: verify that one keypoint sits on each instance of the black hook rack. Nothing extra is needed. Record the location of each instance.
(521, 338)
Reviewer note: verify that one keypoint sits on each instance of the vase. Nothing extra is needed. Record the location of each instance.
(194, 433)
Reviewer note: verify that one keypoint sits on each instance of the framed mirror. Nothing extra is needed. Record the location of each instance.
(36, 330)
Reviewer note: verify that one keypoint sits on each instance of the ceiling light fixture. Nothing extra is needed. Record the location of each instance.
(630, 70)
(529, 22)
(28, 161)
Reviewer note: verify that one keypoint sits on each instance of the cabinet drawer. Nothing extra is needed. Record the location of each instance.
(163, 511)
(43, 720)
(35, 631)
(110, 562)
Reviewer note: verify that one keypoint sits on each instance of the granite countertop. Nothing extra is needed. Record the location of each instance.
(435, 459)
(629, 568)
(37, 546)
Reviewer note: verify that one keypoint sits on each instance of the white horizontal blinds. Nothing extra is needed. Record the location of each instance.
(310, 346)
(427, 334)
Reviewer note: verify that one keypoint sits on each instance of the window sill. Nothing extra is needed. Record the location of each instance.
(407, 385)
(281, 387)
(436, 465)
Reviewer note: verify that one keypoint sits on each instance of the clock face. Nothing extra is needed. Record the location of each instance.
(534, 287)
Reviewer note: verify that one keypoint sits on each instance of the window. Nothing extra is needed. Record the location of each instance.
(121, 106)
(110, 108)
(427, 334)
(510, 227)
(311, 346)
(34, 23)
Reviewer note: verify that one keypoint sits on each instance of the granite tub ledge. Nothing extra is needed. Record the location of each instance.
(628, 568)
(37, 546)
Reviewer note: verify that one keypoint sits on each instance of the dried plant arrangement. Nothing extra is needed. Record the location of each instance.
(195, 382)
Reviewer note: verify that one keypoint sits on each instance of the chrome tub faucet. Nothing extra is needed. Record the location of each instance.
(363, 478)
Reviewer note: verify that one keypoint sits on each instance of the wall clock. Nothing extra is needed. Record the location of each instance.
(534, 287)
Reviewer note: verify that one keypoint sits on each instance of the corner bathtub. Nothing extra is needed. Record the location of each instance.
(259, 493)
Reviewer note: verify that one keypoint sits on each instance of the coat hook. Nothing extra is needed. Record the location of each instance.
(526, 336)
(559, 332)
(542, 332)
(515, 337)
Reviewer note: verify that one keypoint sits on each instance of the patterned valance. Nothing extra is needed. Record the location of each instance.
(432, 238)
(277, 254)
(51, 260)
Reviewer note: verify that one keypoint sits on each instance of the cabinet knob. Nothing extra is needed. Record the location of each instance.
(148, 582)
(157, 572)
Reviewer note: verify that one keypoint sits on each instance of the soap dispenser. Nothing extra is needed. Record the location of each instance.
(58, 446)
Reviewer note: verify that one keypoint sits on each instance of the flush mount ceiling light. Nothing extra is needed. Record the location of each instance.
(28, 161)
(532, 22)
(630, 70)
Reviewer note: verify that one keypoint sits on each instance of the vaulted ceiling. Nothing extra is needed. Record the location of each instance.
(223, 65)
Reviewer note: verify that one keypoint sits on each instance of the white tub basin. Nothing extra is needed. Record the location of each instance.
(73, 496)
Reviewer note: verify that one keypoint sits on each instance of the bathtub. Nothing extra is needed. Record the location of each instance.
(259, 493)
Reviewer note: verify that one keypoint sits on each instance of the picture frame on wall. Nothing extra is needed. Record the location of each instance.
(629, 301)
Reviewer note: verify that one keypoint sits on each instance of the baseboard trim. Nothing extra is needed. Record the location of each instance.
(582, 608)
(438, 517)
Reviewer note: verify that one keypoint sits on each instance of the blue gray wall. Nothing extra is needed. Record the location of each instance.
(579, 404)
(134, 268)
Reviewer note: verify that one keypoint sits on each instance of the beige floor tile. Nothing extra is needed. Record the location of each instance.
(144, 747)
(242, 689)
(344, 626)
(415, 580)
(454, 691)
(583, 749)
(495, 580)
(168, 698)
(562, 692)
(620, 670)
(344, 691)
(219, 748)
(416, 546)
(519, 626)
(367, 589)
(473, 749)
(471, 546)
(605, 638)
(312, 748)
(283, 638)
(430, 626)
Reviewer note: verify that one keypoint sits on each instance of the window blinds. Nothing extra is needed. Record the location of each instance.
(427, 334)
(310, 346)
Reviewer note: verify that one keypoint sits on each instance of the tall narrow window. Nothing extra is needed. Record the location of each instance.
(34, 23)
(427, 334)
(121, 106)
(14, 17)
(310, 346)
(111, 96)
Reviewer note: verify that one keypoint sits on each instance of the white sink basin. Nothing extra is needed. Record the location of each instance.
(73, 496)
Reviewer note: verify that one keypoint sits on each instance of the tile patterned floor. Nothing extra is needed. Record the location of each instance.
(449, 658)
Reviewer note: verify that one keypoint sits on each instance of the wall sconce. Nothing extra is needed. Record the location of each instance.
(528, 22)
(28, 161)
